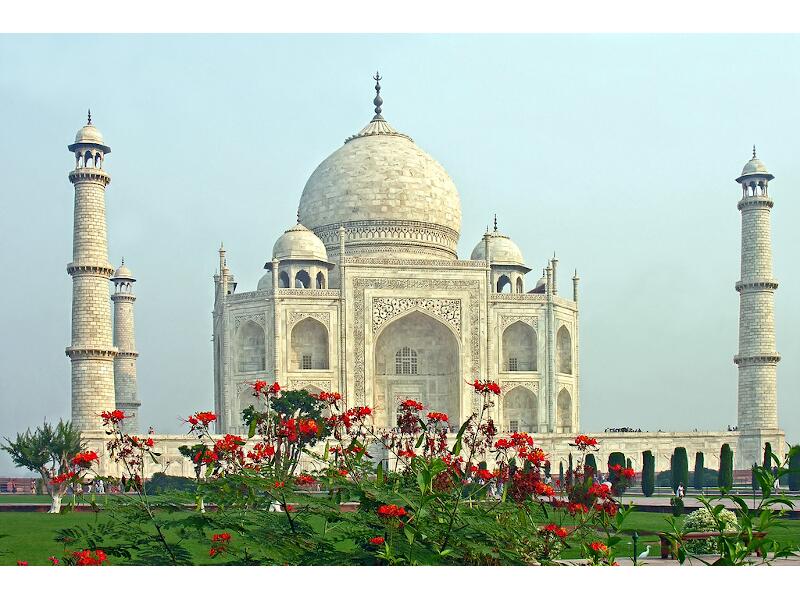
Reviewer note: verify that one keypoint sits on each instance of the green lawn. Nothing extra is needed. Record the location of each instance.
(30, 536)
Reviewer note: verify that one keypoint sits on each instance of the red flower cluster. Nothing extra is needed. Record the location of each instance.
(599, 547)
(260, 386)
(621, 471)
(411, 405)
(437, 416)
(230, 443)
(205, 457)
(344, 472)
(377, 541)
(219, 543)
(609, 507)
(583, 442)
(391, 511)
(112, 416)
(356, 414)
(85, 459)
(330, 396)
(53, 560)
(600, 491)
(522, 443)
(486, 387)
(308, 427)
(542, 489)
(409, 453)
(305, 479)
(261, 451)
(22, 563)
(87, 558)
(148, 443)
(576, 507)
(59, 479)
(278, 485)
(202, 419)
(484, 474)
(559, 532)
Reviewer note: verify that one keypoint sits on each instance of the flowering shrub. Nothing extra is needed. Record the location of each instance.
(702, 520)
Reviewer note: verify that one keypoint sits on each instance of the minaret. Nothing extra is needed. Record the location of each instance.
(127, 399)
(757, 359)
(91, 352)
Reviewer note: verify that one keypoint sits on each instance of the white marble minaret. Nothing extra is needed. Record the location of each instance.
(125, 341)
(757, 359)
(92, 351)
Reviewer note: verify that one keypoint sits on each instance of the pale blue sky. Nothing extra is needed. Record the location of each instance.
(616, 151)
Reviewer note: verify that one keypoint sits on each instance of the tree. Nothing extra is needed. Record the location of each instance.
(591, 463)
(767, 462)
(648, 473)
(725, 477)
(794, 470)
(680, 468)
(699, 466)
(615, 458)
(629, 463)
(570, 472)
(561, 472)
(47, 451)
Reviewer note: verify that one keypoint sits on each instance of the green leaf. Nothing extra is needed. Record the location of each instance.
(252, 430)
(379, 473)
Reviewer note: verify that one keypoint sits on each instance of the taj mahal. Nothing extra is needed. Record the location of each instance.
(366, 295)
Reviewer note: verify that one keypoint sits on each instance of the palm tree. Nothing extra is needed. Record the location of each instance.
(47, 451)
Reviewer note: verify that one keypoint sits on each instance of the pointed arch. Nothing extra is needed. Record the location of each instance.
(321, 281)
(250, 347)
(283, 279)
(309, 345)
(564, 412)
(504, 285)
(564, 351)
(519, 347)
(521, 410)
(302, 279)
(519, 287)
(427, 354)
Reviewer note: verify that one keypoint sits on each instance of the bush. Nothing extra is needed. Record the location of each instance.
(702, 520)
(648, 473)
(794, 472)
(615, 458)
(677, 506)
(725, 478)
(591, 463)
(169, 483)
(699, 467)
(680, 468)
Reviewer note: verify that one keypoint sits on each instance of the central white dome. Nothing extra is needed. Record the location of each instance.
(391, 196)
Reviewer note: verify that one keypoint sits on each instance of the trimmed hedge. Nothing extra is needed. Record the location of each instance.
(680, 468)
(767, 462)
(648, 473)
(699, 466)
(794, 471)
(615, 458)
(591, 462)
(725, 478)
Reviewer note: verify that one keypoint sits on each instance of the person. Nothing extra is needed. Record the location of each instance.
(33, 487)
(151, 431)
(679, 491)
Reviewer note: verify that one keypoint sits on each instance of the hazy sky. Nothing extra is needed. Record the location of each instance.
(618, 152)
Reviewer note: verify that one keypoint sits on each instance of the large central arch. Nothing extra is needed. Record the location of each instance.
(417, 356)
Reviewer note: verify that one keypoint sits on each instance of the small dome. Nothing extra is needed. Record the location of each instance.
(265, 283)
(754, 166)
(501, 250)
(89, 134)
(541, 286)
(123, 273)
(299, 243)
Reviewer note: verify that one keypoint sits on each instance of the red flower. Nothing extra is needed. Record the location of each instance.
(598, 547)
(53, 560)
(555, 530)
(628, 473)
(275, 388)
(377, 541)
(112, 416)
(437, 416)
(58, 479)
(221, 537)
(391, 511)
(85, 459)
(583, 442)
(577, 507)
(542, 489)
(278, 484)
(202, 418)
(308, 427)
(22, 563)
(609, 507)
(261, 451)
(85, 558)
(258, 386)
(411, 405)
(484, 474)
(305, 479)
(343, 472)
(205, 457)
(149, 442)
(599, 490)
(486, 387)
(230, 443)
(406, 453)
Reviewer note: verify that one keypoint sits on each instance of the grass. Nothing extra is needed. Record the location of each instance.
(30, 536)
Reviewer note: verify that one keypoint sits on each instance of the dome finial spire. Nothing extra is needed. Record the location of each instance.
(298, 215)
(378, 100)
(89, 117)
(754, 150)
(495, 221)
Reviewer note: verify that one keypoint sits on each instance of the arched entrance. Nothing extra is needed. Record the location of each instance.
(416, 357)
